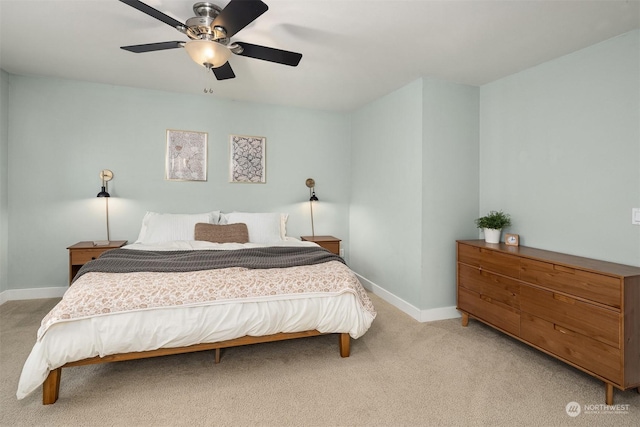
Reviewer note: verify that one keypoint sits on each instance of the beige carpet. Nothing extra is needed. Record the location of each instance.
(401, 372)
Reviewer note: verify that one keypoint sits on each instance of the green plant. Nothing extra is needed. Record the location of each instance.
(495, 220)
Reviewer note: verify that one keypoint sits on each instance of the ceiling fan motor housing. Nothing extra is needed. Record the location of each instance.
(206, 9)
(200, 27)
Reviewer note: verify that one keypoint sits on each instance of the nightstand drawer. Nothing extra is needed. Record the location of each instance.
(333, 247)
(84, 256)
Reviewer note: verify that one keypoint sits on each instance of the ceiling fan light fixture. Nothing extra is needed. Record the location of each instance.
(205, 52)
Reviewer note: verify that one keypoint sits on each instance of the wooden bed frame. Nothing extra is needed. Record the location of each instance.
(51, 386)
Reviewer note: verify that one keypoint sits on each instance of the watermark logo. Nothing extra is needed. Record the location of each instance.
(573, 409)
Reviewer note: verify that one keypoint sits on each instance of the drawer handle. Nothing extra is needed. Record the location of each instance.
(560, 329)
(562, 298)
(563, 330)
(486, 298)
(564, 269)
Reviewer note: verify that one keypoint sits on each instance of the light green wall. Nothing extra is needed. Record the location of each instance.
(414, 189)
(560, 151)
(449, 184)
(62, 133)
(4, 171)
(385, 222)
(557, 146)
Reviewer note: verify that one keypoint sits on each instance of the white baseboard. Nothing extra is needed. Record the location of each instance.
(429, 315)
(33, 293)
(440, 313)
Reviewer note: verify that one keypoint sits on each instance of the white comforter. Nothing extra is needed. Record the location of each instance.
(150, 329)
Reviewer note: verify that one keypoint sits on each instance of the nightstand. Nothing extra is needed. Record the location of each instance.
(83, 252)
(330, 243)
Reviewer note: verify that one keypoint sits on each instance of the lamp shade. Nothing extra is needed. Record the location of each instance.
(205, 52)
(103, 193)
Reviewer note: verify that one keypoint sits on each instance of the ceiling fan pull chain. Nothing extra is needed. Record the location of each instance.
(207, 74)
(210, 77)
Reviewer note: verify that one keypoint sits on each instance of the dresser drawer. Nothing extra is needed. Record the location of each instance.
(498, 288)
(488, 259)
(592, 286)
(79, 257)
(494, 312)
(590, 354)
(599, 323)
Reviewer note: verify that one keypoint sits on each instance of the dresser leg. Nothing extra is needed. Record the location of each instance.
(608, 394)
(465, 319)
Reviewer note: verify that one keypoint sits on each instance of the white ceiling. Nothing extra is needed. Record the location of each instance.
(354, 51)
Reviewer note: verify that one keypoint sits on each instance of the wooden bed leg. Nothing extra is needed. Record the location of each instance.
(51, 387)
(465, 319)
(345, 345)
(608, 394)
(217, 355)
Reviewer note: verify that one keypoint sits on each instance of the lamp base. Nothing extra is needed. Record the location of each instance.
(101, 243)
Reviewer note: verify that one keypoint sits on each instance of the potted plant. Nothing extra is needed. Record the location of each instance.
(492, 225)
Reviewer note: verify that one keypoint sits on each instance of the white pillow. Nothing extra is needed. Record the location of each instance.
(263, 227)
(159, 227)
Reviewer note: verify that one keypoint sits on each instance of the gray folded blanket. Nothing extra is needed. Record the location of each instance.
(131, 261)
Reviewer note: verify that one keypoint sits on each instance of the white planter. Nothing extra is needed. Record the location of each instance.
(491, 235)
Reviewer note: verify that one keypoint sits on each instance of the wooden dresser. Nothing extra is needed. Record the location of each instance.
(582, 311)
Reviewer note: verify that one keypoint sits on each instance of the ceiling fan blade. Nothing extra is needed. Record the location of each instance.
(224, 72)
(269, 54)
(141, 48)
(154, 13)
(238, 14)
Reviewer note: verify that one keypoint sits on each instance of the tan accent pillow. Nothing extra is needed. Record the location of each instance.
(216, 233)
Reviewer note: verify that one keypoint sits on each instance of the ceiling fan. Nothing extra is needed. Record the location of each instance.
(210, 32)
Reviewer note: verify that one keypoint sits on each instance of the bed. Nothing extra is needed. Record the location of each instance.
(178, 290)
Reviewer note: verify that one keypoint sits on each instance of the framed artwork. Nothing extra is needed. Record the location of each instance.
(186, 156)
(247, 159)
